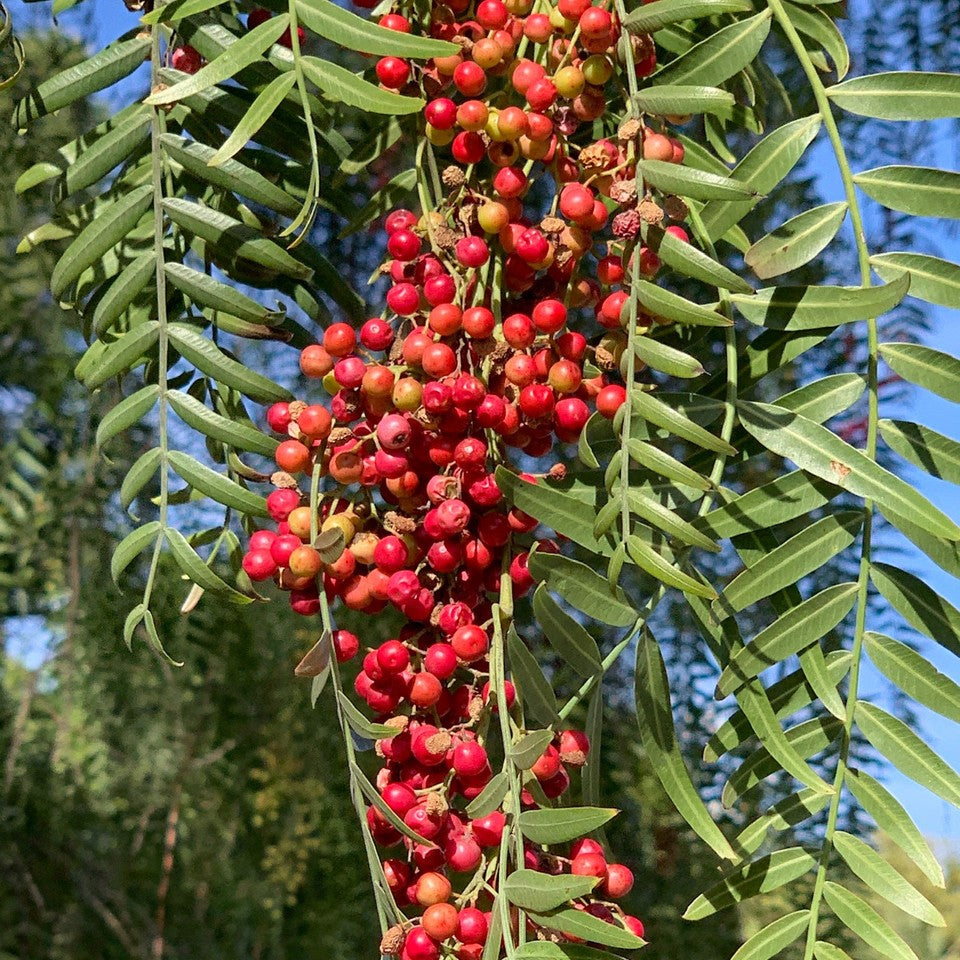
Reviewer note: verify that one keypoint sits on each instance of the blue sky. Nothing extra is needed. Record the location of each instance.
(106, 19)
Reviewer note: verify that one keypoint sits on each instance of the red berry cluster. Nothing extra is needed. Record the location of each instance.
(503, 330)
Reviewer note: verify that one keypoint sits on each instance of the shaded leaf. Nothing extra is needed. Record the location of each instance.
(919, 605)
(582, 588)
(884, 879)
(568, 638)
(244, 51)
(796, 242)
(340, 84)
(720, 56)
(763, 875)
(204, 354)
(536, 691)
(790, 633)
(658, 738)
(103, 233)
(792, 560)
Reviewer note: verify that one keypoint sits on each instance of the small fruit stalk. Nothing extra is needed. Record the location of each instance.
(502, 333)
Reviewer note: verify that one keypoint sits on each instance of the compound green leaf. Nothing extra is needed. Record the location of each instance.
(931, 278)
(763, 875)
(539, 701)
(566, 514)
(197, 571)
(567, 637)
(197, 415)
(126, 413)
(900, 95)
(866, 923)
(914, 675)
(720, 56)
(931, 451)
(138, 475)
(529, 748)
(778, 501)
(671, 306)
(178, 10)
(663, 415)
(921, 191)
(204, 354)
(659, 567)
(816, 25)
(118, 357)
(232, 238)
(657, 461)
(205, 291)
(197, 158)
(810, 308)
(659, 740)
(131, 546)
(808, 739)
(217, 486)
(790, 633)
(935, 370)
(348, 30)
(763, 167)
(816, 449)
(684, 181)
(796, 242)
(588, 927)
(784, 814)
(239, 54)
(259, 112)
(361, 726)
(686, 259)
(671, 99)
(884, 879)
(123, 290)
(98, 72)
(105, 231)
(661, 517)
(922, 607)
(532, 890)
(340, 84)
(829, 951)
(666, 359)
(582, 588)
(895, 741)
(650, 17)
(563, 824)
(788, 695)
(895, 822)
(774, 937)
(101, 154)
(792, 560)
(490, 798)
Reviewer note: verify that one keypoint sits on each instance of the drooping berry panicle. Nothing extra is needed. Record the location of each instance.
(502, 332)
